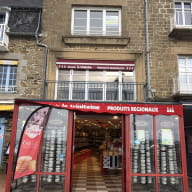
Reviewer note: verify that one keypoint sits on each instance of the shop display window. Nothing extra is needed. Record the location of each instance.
(26, 183)
(145, 184)
(173, 184)
(51, 153)
(168, 142)
(142, 146)
(50, 183)
(54, 143)
(141, 149)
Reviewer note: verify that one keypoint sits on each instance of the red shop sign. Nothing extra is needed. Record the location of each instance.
(122, 108)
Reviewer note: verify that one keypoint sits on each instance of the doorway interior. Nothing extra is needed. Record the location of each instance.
(97, 157)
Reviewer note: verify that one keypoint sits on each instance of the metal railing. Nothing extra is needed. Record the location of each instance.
(95, 91)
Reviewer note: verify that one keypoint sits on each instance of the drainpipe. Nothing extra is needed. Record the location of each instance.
(45, 55)
(147, 60)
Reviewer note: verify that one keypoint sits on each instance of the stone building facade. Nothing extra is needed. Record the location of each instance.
(21, 61)
(168, 42)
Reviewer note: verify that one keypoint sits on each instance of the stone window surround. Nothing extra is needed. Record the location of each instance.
(122, 40)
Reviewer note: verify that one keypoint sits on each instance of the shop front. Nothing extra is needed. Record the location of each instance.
(74, 146)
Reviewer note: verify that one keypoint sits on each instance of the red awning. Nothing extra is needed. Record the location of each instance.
(95, 65)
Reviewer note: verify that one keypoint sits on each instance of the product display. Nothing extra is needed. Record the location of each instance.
(54, 152)
(142, 156)
(167, 156)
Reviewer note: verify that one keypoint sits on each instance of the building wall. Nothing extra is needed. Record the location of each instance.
(30, 57)
(163, 50)
(130, 46)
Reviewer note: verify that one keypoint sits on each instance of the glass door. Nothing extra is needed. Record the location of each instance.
(155, 156)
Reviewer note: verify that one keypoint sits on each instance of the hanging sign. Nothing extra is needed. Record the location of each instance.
(2, 130)
(30, 142)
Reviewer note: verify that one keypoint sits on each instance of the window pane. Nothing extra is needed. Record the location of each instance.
(96, 75)
(183, 78)
(26, 183)
(142, 146)
(112, 76)
(178, 5)
(2, 18)
(187, 5)
(179, 17)
(80, 21)
(50, 183)
(112, 23)
(64, 75)
(190, 78)
(55, 141)
(7, 78)
(96, 22)
(189, 62)
(143, 184)
(128, 77)
(78, 75)
(172, 183)
(188, 19)
(181, 62)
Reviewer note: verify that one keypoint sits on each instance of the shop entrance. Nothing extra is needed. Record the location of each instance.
(106, 147)
(97, 157)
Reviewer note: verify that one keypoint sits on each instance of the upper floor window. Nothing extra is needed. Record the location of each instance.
(8, 77)
(183, 12)
(4, 39)
(2, 25)
(185, 73)
(96, 21)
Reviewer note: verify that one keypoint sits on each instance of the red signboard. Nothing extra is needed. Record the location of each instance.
(30, 142)
(95, 65)
(121, 108)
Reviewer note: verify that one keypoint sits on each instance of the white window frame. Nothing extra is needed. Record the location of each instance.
(4, 41)
(104, 10)
(183, 13)
(8, 87)
(185, 87)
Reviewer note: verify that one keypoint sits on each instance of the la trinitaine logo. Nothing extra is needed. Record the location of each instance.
(170, 110)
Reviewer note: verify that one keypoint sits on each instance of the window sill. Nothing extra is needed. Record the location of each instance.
(93, 40)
